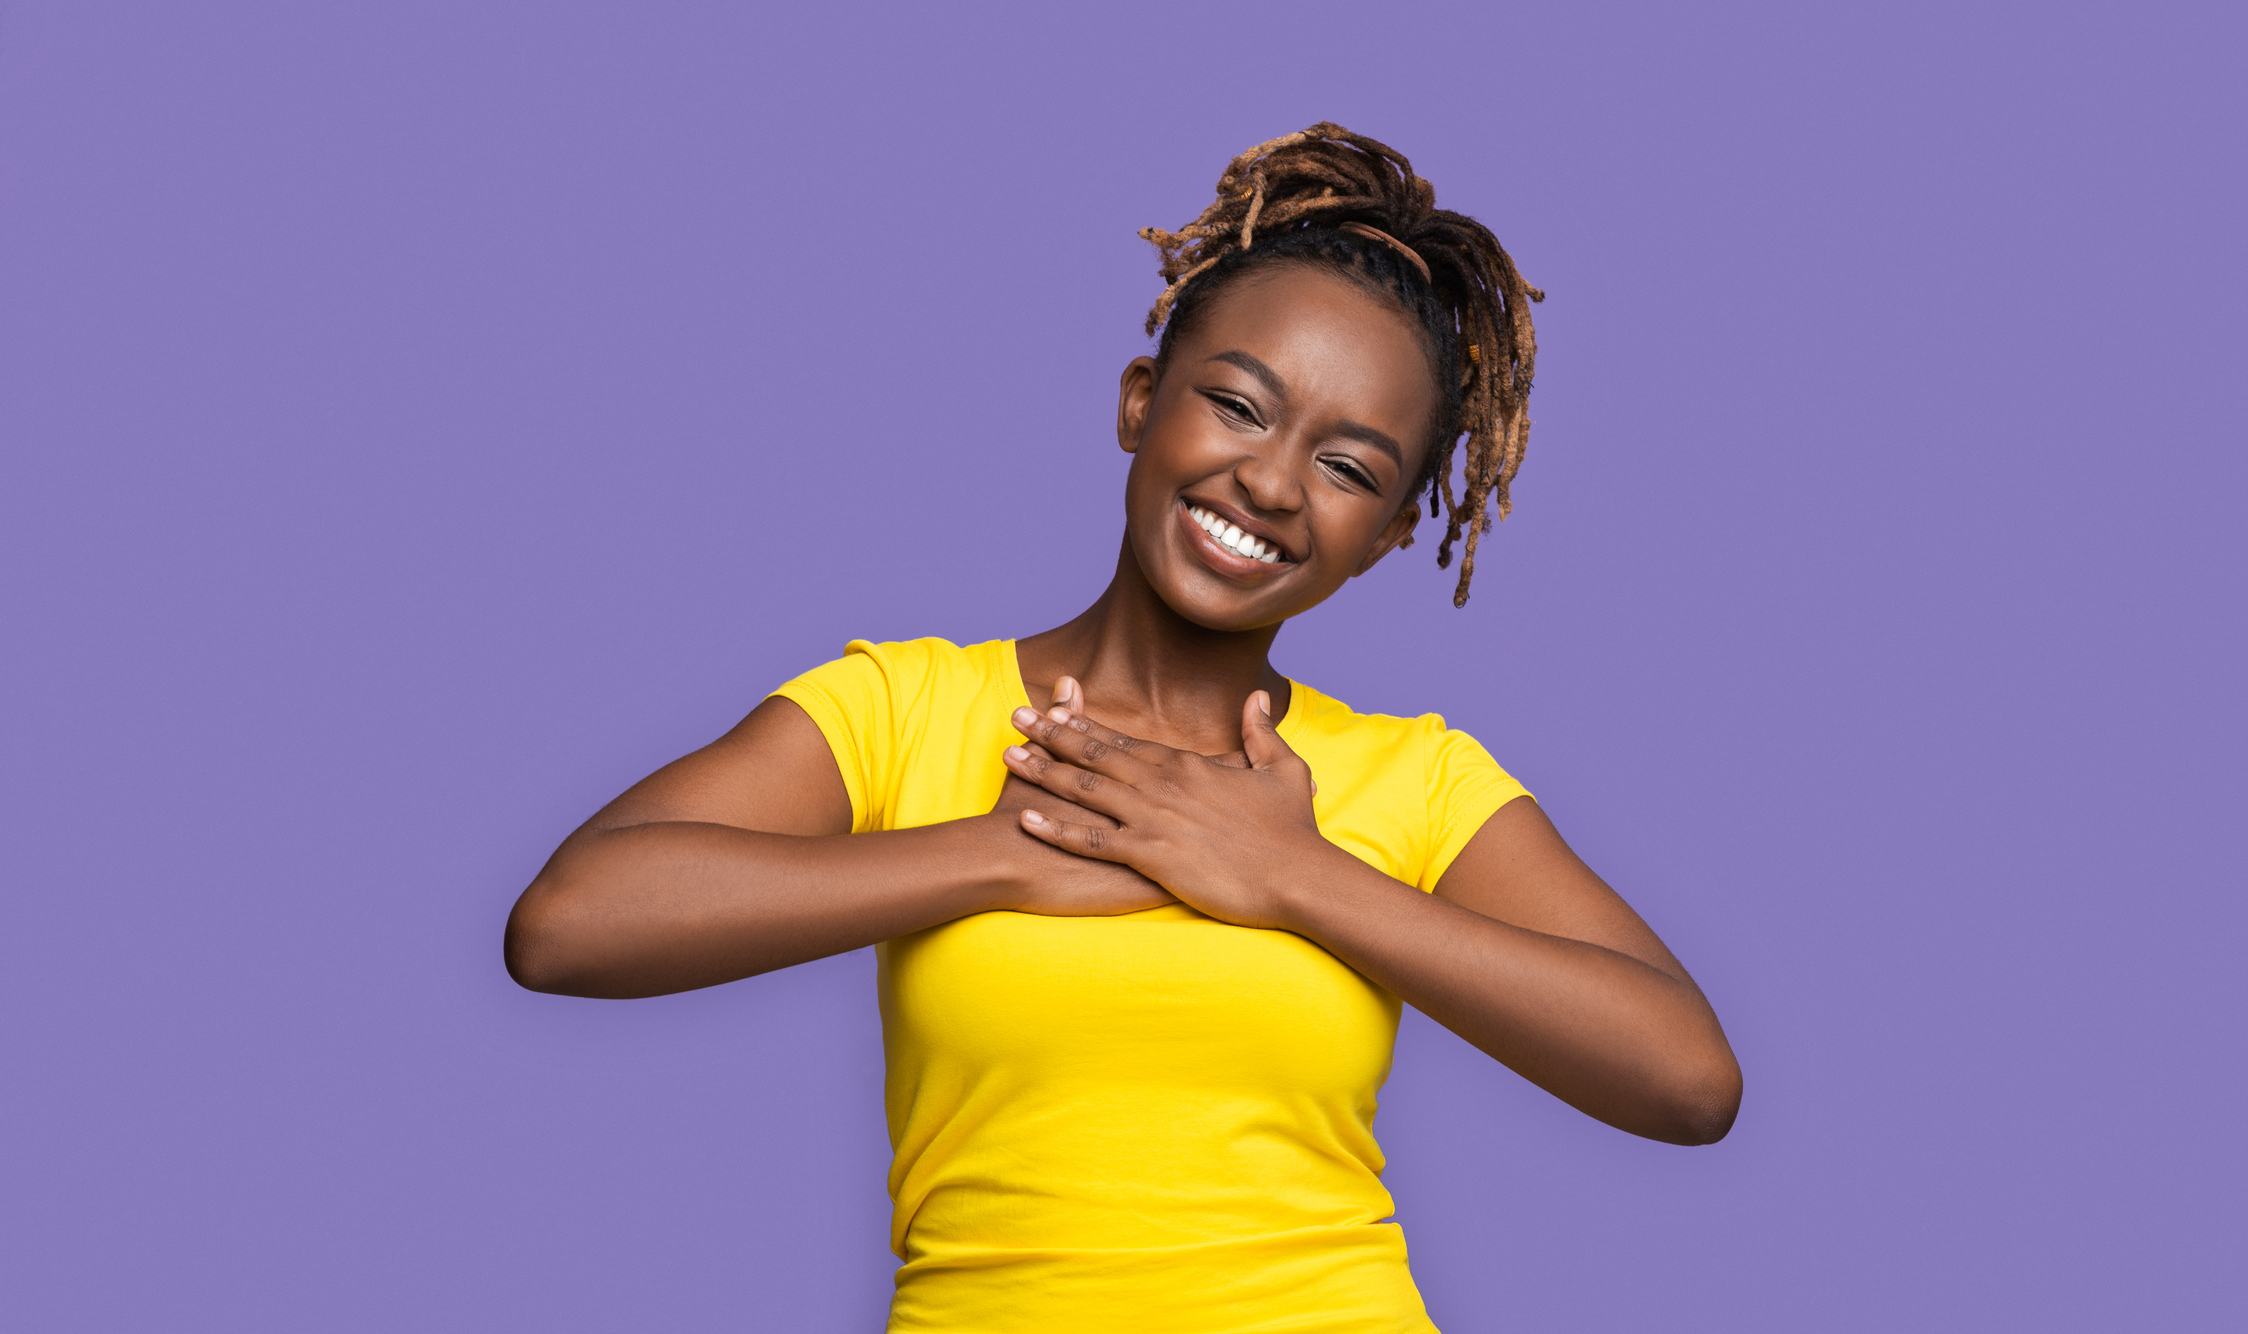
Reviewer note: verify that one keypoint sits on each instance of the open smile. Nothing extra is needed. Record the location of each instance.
(1229, 546)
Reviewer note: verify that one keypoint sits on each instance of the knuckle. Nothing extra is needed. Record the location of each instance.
(1094, 750)
(1088, 782)
(1096, 838)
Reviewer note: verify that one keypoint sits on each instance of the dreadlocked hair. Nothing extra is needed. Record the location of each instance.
(1285, 202)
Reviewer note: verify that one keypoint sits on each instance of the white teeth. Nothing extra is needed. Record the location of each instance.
(1232, 538)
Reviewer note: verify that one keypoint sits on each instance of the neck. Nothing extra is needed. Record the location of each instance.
(1151, 672)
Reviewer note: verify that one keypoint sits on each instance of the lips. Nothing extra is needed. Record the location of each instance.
(1230, 536)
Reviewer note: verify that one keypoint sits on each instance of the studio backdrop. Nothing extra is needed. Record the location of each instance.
(421, 420)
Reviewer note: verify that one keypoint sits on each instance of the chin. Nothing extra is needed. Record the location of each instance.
(1223, 623)
(1215, 609)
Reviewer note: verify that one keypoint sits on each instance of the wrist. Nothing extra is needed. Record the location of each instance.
(996, 873)
(1302, 884)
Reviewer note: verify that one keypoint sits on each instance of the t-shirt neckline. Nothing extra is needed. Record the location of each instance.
(1012, 660)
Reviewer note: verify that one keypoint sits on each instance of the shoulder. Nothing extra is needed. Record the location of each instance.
(902, 672)
(1323, 720)
(1422, 750)
(882, 704)
(1405, 794)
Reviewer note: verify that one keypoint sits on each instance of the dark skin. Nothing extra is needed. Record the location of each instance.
(1298, 410)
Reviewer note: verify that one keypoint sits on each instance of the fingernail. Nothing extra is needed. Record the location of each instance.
(1058, 715)
(1033, 817)
(1017, 754)
(1026, 716)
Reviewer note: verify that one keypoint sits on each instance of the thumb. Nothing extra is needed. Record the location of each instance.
(1260, 734)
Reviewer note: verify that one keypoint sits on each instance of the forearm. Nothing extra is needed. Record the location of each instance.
(1617, 1038)
(650, 909)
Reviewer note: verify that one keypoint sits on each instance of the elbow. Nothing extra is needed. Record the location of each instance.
(551, 948)
(535, 955)
(1704, 1123)
(1702, 1110)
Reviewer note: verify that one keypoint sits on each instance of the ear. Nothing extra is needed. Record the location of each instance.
(1399, 529)
(1133, 398)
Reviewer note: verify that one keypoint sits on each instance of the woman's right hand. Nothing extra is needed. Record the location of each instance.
(1053, 883)
(739, 859)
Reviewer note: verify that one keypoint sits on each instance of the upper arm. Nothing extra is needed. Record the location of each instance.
(1518, 870)
(773, 773)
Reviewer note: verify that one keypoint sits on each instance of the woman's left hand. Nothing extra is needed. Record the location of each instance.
(1228, 841)
(1522, 950)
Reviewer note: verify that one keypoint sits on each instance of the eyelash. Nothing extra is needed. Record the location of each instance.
(1353, 472)
(1238, 408)
(1235, 407)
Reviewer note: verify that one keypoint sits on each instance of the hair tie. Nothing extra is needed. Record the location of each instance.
(1377, 234)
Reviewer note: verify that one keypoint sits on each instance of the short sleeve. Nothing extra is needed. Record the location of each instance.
(854, 702)
(1465, 788)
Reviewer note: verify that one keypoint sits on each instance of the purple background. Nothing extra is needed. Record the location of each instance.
(422, 419)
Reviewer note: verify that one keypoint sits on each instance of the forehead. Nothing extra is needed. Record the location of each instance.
(1332, 341)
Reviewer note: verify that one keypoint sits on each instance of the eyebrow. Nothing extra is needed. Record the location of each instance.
(1266, 375)
(1278, 387)
(1380, 440)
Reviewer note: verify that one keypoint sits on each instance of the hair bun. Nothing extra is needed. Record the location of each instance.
(1328, 179)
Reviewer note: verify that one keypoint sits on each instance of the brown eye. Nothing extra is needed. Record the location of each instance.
(1233, 407)
(1351, 472)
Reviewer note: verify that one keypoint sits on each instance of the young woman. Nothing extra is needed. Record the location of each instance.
(1146, 908)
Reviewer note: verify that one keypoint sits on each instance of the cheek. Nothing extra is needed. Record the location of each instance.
(1348, 526)
(1183, 436)
(1144, 482)
(1148, 521)
(1172, 454)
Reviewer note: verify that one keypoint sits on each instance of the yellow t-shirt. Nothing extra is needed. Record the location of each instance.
(1157, 1123)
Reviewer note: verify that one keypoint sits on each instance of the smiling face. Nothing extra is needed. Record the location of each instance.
(1273, 457)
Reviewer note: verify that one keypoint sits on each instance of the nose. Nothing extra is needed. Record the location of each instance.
(1268, 481)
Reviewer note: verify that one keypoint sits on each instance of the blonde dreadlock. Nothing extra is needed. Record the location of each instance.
(1294, 193)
